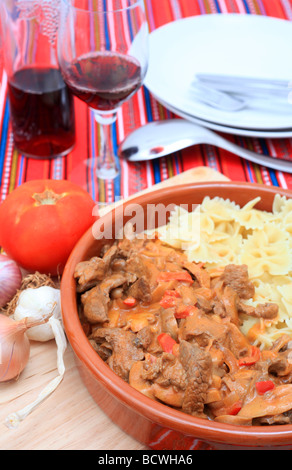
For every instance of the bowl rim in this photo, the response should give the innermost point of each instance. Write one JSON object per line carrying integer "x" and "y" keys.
{"x": 159, "y": 413}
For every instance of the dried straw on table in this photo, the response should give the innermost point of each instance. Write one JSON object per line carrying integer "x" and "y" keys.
{"x": 32, "y": 281}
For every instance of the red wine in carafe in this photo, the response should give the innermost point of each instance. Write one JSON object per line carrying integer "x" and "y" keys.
{"x": 42, "y": 112}
{"x": 103, "y": 79}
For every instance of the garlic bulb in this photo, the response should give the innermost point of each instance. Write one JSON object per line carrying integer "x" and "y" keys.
{"x": 37, "y": 303}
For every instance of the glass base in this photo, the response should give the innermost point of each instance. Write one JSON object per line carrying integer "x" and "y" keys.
{"x": 48, "y": 157}
{"x": 104, "y": 173}
{"x": 107, "y": 173}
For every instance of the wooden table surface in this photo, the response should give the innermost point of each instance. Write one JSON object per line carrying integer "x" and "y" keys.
{"x": 69, "y": 419}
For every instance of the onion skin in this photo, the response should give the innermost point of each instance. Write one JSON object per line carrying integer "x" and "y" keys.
{"x": 14, "y": 348}
{"x": 10, "y": 279}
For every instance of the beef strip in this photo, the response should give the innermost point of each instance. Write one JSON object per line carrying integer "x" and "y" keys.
{"x": 95, "y": 305}
{"x": 188, "y": 294}
{"x": 116, "y": 280}
{"x": 267, "y": 311}
{"x": 126, "y": 349}
{"x": 95, "y": 301}
{"x": 199, "y": 273}
{"x": 103, "y": 350}
{"x": 202, "y": 329}
{"x": 144, "y": 336}
{"x": 140, "y": 290}
{"x": 146, "y": 274}
{"x": 88, "y": 273}
{"x": 129, "y": 248}
{"x": 237, "y": 278}
{"x": 169, "y": 372}
{"x": 110, "y": 255}
{"x": 198, "y": 366}
{"x": 168, "y": 322}
{"x": 204, "y": 304}
{"x": 283, "y": 418}
{"x": 142, "y": 268}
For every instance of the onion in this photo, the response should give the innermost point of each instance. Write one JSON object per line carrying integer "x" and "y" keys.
{"x": 10, "y": 279}
{"x": 15, "y": 345}
{"x": 35, "y": 303}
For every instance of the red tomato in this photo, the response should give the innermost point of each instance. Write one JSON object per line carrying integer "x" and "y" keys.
{"x": 41, "y": 221}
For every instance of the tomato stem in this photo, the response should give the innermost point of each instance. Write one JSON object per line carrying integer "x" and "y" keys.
{"x": 48, "y": 197}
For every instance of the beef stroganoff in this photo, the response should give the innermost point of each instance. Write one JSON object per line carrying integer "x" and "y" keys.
{"x": 201, "y": 324}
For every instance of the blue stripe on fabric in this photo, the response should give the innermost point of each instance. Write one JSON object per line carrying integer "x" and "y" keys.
{"x": 130, "y": 25}
{"x": 4, "y": 136}
{"x": 264, "y": 147}
{"x": 249, "y": 171}
{"x": 217, "y": 6}
{"x": 106, "y": 30}
{"x": 148, "y": 104}
{"x": 246, "y": 6}
{"x": 155, "y": 163}
{"x": 22, "y": 159}
{"x": 92, "y": 170}
{"x": 273, "y": 177}
{"x": 156, "y": 169}
{"x": 117, "y": 180}
{"x": 272, "y": 172}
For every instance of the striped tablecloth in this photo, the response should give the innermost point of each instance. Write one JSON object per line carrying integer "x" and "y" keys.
{"x": 16, "y": 169}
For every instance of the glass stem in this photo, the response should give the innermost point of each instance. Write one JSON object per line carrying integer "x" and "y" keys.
{"x": 106, "y": 162}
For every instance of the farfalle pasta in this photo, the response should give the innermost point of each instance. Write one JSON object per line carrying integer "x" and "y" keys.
{"x": 267, "y": 251}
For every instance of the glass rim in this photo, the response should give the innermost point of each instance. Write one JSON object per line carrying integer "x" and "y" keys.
{"x": 102, "y": 10}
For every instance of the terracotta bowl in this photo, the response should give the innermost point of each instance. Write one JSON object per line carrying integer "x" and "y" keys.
{"x": 154, "y": 424}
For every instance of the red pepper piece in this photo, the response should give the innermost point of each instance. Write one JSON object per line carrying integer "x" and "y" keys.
{"x": 185, "y": 312}
{"x": 183, "y": 276}
{"x": 250, "y": 360}
{"x": 235, "y": 408}
{"x": 166, "y": 342}
{"x": 264, "y": 386}
{"x": 172, "y": 293}
{"x": 167, "y": 301}
{"x": 130, "y": 301}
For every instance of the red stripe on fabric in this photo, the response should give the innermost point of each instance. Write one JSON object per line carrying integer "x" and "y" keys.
{"x": 162, "y": 12}
{"x": 192, "y": 157}
{"x": 274, "y": 8}
{"x": 75, "y": 170}
{"x": 190, "y": 9}
{"x": 232, "y": 166}
{"x": 288, "y": 179}
{"x": 36, "y": 169}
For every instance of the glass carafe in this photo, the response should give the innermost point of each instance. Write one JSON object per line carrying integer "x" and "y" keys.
{"x": 41, "y": 105}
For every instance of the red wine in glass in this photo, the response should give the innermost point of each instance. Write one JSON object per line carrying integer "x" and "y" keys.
{"x": 42, "y": 112}
{"x": 103, "y": 79}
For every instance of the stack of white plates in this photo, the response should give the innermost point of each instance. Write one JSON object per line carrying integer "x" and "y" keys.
{"x": 226, "y": 44}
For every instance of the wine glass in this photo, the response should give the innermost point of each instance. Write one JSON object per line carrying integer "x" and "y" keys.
{"x": 103, "y": 57}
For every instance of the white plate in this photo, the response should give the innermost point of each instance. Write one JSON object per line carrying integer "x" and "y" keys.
{"x": 276, "y": 134}
{"x": 245, "y": 45}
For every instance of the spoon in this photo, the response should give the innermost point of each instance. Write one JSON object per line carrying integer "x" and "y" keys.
{"x": 159, "y": 138}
